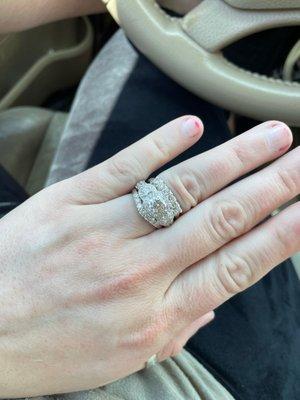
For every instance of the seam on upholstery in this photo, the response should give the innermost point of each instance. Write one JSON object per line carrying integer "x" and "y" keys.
{"x": 187, "y": 376}
{"x": 47, "y": 126}
{"x": 216, "y": 375}
{"x": 5, "y": 38}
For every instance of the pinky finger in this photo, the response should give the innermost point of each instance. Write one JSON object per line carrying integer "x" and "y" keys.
{"x": 236, "y": 266}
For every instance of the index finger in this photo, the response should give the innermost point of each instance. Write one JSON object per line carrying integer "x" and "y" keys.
{"x": 119, "y": 174}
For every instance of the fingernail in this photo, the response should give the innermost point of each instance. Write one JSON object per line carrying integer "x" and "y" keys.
{"x": 210, "y": 317}
{"x": 191, "y": 127}
{"x": 279, "y": 138}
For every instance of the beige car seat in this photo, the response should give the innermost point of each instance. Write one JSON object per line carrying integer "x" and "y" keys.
{"x": 29, "y": 138}
{"x": 34, "y": 64}
{"x": 38, "y": 62}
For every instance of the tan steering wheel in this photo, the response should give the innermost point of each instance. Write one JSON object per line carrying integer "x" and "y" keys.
{"x": 189, "y": 50}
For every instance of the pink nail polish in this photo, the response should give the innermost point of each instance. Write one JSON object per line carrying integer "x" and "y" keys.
{"x": 279, "y": 138}
{"x": 191, "y": 127}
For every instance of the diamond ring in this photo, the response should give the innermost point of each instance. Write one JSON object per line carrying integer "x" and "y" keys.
{"x": 156, "y": 202}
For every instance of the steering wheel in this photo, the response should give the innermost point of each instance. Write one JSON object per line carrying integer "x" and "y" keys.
{"x": 189, "y": 50}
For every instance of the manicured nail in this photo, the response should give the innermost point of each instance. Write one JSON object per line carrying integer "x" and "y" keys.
{"x": 279, "y": 138}
{"x": 191, "y": 127}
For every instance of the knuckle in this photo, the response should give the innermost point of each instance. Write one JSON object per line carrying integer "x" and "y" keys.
{"x": 288, "y": 181}
{"x": 124, "y": 170}
{"x": 159, "y": 149}
{"x": 284, "y": 242}
{"x": 241, "y": 156}
{"x": 155, "y": 266}
{"x": 188, "y": 189}
{"x": 85, "y": 183}
{"x": 149, "y": 265}
{"x": 121, "y": 285}
{"x": 124, "y": 284}
{"x": 228, "y": 220}
{"x": 234, "y": 273}
{"x": 149, "y": 334}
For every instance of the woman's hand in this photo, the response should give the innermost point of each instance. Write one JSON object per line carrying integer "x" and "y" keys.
{"x": 89, "y": 290}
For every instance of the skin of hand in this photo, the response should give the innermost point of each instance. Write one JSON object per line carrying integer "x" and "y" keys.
{"x": 90, "y": 291}
{"x": 18, "y": 15}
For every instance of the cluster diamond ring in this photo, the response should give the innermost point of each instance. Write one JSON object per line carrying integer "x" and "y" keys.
{"x": 156, "y": 202}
